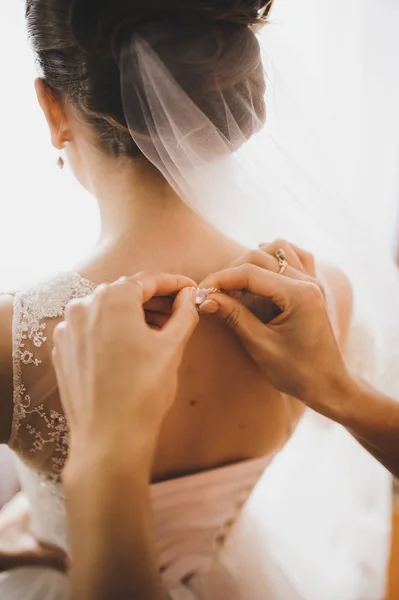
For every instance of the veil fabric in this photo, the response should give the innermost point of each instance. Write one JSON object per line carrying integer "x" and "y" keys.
{"x": 257, "y": 190}
{"x": 323, "y": 534}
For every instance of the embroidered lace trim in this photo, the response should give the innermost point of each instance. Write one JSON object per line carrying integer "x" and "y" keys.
{"x": 32, "y": 307}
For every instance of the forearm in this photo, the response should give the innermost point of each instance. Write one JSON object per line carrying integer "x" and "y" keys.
{"x": 111, "y": 531}
{"x": 370, "y": 416}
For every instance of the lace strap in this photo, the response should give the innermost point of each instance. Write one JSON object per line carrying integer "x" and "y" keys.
{"x": 32, "y": 308}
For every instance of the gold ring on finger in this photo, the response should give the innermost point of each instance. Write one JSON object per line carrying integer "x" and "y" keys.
{"x": 282, "y": 261}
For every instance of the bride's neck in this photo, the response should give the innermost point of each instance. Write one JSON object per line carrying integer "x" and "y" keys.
{"x": 138, "y": 202}
{"x": 144, "y": 222}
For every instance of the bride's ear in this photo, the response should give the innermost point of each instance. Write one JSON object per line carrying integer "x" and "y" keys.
{"x": 54, "y": 111}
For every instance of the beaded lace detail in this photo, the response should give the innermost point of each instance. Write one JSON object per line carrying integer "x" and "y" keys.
{"x": 34, "y": 309}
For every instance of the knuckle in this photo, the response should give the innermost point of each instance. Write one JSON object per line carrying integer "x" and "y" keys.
{"x": 313, "y": 292}
{"x": 311, "y": 262}
{"x": 142, "y": 275}
{"x": 249, "y": 269}
{"x": 107, "y": 300}
{"x": 280, "y": 243}
{"x": 75, "y": 312}
{"x": 317, "y": 283}
{"x": 135, "y": 285}
{"x": 104, "y": 295}
{"x": 309, "y": 256}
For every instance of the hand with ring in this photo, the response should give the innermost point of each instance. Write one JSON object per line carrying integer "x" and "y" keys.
{"x": 298, "y": 338}
{"x": 281, "y": 258}
{"x": 297, "y": 350}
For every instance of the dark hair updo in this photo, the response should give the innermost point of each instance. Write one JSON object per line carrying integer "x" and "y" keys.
{"x": 207, "y": 45}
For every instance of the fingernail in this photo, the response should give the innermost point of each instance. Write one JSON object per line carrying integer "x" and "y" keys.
{"x": 263, "y": 245}
{"x": 209, "y": 307}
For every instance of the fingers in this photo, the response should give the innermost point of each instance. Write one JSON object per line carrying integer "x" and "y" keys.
{"x": 145, "y": 293}
{"x": 291, "y": 256}
{"x": 256, "y": 280}
{"x": 307, "y": 259}
{"x": 237, "y": 317}
{"x": 76, "y": 310}
{"x": 263, "y": 260}
{"x": 146, "y": 285}
{"x": 268, "y": 261}
{"x": 184, "y": 319}
{"x": 297, "y": 257}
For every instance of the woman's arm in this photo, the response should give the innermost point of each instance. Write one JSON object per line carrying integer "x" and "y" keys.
{"x": 6, "y": 379}
{"x": 111, "y": 528}
{"x": 370, "y": 416}
{"x": 118, "y": 379}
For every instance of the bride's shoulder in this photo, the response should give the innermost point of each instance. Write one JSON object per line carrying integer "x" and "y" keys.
{"x": 6, "y": 379}
{"x": 339, "y": 294}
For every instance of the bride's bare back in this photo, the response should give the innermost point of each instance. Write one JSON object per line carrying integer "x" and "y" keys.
{"x": 224, "y": 412}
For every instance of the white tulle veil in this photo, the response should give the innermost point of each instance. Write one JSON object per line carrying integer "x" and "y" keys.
{"x": 254, "y": 190}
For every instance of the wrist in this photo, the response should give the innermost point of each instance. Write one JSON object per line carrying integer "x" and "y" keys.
{"x": 335, "y": 396}
{"x": 104, "y": 467}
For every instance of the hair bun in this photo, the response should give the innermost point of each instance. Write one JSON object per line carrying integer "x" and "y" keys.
{"x": 98, "y": 24}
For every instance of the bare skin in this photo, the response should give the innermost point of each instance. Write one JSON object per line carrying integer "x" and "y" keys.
{"x": 225, "y": 410}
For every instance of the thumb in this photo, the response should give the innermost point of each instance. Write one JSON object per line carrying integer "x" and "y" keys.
{"x": 235, "y": 315}
{"x": 184, "y": 319}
